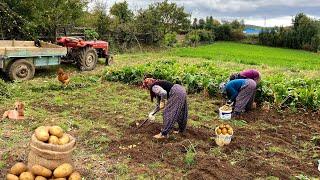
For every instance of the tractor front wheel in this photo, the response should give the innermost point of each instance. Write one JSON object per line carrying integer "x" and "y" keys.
{"x": 21, "y": 69}
{"x": 88, "y": 59}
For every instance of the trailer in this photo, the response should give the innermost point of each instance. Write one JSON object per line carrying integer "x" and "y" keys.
{"x": 19, "y": 59}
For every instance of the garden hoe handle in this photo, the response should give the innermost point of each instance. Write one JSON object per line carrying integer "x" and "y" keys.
{"x": 142, "y": 123}
{"x": 145, "y": 121}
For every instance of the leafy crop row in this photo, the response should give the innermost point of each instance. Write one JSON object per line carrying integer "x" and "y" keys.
{"x": 275, "y": 89}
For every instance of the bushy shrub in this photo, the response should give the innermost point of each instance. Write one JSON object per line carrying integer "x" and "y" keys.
{"x": 170, "y": 39}
{"x": 91, "y": 34}
{"x": 192, "y": 38}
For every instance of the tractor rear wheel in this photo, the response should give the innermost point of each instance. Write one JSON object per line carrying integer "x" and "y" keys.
{"x": 88, "y": 59}
{"x": 21, "y": 69}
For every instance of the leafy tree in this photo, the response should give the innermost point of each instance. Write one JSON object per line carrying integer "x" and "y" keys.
{"x": 122, "y": 12}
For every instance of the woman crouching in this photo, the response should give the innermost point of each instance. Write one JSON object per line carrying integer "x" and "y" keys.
{"x": 173, "y": 99}
{"x": 241, "y": 93}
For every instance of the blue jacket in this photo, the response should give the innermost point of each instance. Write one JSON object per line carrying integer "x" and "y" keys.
{"x": 233, "y": 88}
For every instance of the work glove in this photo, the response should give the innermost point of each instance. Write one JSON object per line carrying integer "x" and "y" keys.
{"x": 151, "y": 117}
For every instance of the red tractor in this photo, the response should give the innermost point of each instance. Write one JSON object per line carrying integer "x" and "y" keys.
{"x": 84, "y": 53}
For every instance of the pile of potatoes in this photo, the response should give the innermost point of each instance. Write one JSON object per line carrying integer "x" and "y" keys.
{"x": 52, "y": 135}
{"x": 63, "y": 172}
{"x": 224, "y": 129}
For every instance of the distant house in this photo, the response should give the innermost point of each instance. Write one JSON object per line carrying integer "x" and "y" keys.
{"x": 251, "y": 31}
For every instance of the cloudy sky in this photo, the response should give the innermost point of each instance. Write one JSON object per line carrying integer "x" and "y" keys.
{"x": 275, "y": 12}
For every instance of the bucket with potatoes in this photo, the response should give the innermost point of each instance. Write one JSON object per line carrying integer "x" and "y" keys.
{"x": 224, "y": 133}
{"x": 50, "y": 157}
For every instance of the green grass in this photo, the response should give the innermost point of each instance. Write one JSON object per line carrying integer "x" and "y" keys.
{"x": 97, "y": 113}
{"x": 252, "y": 55}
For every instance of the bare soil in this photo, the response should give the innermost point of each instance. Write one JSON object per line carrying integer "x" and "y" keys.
{"x": 271, "y": 145}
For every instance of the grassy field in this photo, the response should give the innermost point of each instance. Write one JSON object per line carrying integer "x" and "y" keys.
{"x": 253, "y": 55}
{"x": 102, "y": 115}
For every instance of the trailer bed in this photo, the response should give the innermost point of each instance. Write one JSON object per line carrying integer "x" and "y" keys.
{"x": 15, "y": 49}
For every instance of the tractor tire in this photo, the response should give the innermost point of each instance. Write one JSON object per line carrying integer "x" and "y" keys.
{"x": 87, "y": 59}
{"x": 21, "y": 70}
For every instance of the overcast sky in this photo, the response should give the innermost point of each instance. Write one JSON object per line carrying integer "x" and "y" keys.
{"x": 276, "y": 12}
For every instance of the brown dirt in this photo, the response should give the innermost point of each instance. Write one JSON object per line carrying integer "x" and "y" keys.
{"x": 274, "y": 149}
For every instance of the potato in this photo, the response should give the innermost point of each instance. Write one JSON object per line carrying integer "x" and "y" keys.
{"x": 40, "y": 178}
{"x": 63, "y": 170}
{"x": 53, "y": 140}
{"x": 228, "y": 126}
{"x": 64, "y": 139}
{"x": 224, "y": 131}
{"x": 18, "y": 168}
{"x": 221, "y": 126}
{"x": 26, "y": 176}
{"x": 41, "y": 171}
{"x": 230, "y": 131}
{"x": 42, "y": 133}
{"x": 60, "y": 179}
{"x": 218, "y": 131}
{"x": 75, "y": 176}
{"x": 56, "y": 131}
{"x": 12, "y": 177}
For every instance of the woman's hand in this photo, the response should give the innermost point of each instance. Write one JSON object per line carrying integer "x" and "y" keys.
{"x": 162, "y": 105}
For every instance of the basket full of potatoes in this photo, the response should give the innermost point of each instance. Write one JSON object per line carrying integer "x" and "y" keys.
{"x": 224, "y": 133}
{"x": 63, "y": 172}
{"x": 50, "y": 147}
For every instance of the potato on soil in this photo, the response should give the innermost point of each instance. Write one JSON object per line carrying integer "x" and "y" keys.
{"x": 41, "y": 171}
{"x": 63, "y": 170}
{"x": 75, "y": 176}
{"x": 18, "y": 168}
{"x": 56, "y": 131}
{"x": 53, "y": 140}
{"x": 12, "y": 177}
{"x": 26, "y": 176}
{"x": 64, "y": 139}
{"x": 224, "y": 131}
{"x": 40, "y": 178}
{"x": 42, "y": 133}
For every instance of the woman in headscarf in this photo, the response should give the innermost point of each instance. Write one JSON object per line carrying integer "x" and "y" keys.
{"x": 173, "y": 99}
{"x": 241, "y": 93}
{"x": 247, "y": 74}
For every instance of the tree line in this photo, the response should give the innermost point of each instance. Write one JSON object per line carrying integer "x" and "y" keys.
{"x": 304, "y": 34}
{"x": 158, "y": 24}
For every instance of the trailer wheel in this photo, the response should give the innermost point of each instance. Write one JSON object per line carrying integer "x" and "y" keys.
{"x": 21, "y": 70}
{"x": 88, "y": 59}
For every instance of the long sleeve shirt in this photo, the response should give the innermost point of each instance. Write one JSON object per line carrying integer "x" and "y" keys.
{"x": 233, "y": 88}
{"x": 162, "y": 95}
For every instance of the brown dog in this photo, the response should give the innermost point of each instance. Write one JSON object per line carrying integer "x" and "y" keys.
{"x": 17, "y": 113}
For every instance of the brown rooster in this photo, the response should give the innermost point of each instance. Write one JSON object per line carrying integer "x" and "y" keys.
{"x": 63, "y": 77}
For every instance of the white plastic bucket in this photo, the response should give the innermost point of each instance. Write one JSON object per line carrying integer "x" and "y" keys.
{"x": 224, "y": 115}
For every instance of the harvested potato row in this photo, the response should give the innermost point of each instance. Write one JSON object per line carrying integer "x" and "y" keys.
{"x": 224, "y": 129}
{"x": 37, "y": 172}
{"x": 52, "y": 135}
